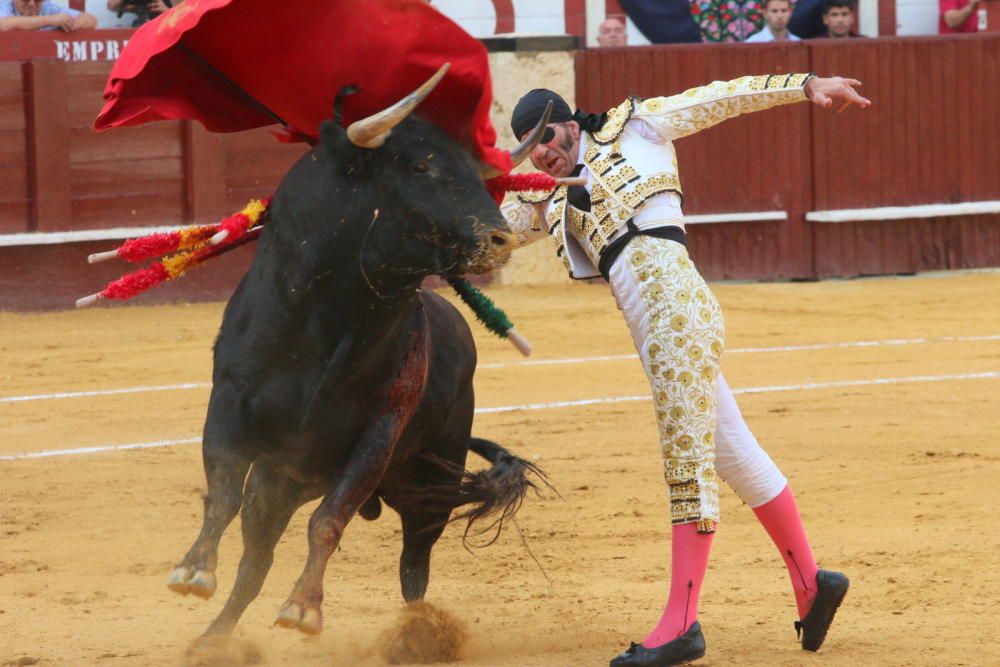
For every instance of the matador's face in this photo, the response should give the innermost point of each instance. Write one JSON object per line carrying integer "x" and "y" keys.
{"x": 557, "y": 156}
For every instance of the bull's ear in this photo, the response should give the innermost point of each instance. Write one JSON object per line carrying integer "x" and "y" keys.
{"x": 333, "y": 139}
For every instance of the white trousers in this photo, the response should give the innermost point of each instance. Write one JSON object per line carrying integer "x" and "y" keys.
{"x": 739, "y": 459}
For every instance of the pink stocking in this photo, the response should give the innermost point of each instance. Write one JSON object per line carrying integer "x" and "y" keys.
{"x": 780, "y": 517}
{"x": 689, "y": 560}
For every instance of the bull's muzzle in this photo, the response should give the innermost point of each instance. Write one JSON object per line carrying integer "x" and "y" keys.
{"x": 493, "y": 250}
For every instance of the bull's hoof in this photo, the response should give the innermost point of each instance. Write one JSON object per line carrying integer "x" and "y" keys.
{"x": 308, "y": 621}
{"x": 200, "y": 583}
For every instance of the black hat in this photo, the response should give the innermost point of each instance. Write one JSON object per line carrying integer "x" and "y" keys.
{"x": 529, "y": 110}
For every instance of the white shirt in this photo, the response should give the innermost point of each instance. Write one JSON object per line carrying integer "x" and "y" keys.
{"x": 766, "y": 35}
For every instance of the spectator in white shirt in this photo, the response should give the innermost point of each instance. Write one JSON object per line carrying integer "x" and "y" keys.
{"x": 42, "y": 15}
{"x": 776, "y": 16}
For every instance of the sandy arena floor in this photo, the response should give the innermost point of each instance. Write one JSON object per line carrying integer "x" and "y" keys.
{"x": 896, "y": 481}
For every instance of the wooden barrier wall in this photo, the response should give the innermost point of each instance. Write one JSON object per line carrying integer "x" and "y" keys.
{"x": 932, "y": 137}
{"x": 56, "y": 173}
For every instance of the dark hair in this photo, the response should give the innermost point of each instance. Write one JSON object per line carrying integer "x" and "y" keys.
{"x": 837, "y": 4}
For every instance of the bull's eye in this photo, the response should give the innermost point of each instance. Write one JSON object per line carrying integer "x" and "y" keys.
{"x": 421, "y": 167}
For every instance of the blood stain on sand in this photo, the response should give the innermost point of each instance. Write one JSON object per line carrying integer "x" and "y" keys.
{"x": 423, "y": 634}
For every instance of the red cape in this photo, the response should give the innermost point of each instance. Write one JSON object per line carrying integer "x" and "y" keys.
{"x": 210, "y": 60}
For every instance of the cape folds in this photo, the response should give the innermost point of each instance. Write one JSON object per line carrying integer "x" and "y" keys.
{"x": 239, "y": 65}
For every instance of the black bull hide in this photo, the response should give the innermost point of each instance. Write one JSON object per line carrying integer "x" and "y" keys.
{"x": 337, "y": 377}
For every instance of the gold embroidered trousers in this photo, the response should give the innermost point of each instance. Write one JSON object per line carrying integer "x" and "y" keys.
{"x": 678, "y": 330}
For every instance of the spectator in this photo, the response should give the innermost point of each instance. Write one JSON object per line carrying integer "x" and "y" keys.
{"x": 42, "y": 15}
{"x": 958, "y": 16}
{"x": 838, "y": 17}
{"x": 776, "y": 15}
{"x": 144, "y": 10}
{"x": 611, "y": 32}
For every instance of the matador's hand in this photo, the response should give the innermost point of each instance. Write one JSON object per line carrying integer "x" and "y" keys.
{"x": 823, "y": 92}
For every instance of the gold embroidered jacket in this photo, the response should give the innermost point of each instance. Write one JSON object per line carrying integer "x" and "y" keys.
{"x": 627, "y": 168}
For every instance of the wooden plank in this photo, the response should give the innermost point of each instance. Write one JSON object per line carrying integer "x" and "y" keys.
{"x": 125, "y": 177}
{"x": 265, "y": 164}
{"x": 980, "y": 241}
{"x": 204, "y": 174}
{"x": 12, "y": 148}
{"x": 156, "y": 140}
{"x": 910, "y": 113}
{"x": 10, "y": 78}
{"x": 929, "y": 169}
{"x": 944, "y": 116}
{"x": 14, "y": 216}
{"x": 898, "y": 126}
{"x": 84, "y": 92}
{"x": 258, "y": 140}
{"x": 987, "y": 122}
{"x": 641, "y": 73}
{"x": 53, "y": 277}
{"x": 13, "y": 184}
{"x": 579, "y": 70}
{"x": 162, "y": 207}
{"x": 596, "y": 100}
{"x": 962, "y": 132}
{"x": 896, "y": 258}
{"x": 15, "y": 209}
{"x": 12, "y": 113}
{"x": 870, "y": 242}
{"x": 48, "y": 144}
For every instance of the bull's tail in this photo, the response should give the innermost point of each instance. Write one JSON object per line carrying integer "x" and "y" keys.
{"x": 490, "y": 496}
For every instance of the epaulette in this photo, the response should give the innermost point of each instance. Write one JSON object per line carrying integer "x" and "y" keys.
{"x": 535, "y": 196}
{"x": 617, "y": 118}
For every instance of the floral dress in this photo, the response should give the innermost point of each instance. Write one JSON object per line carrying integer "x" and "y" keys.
{"x": 727, "y": 20}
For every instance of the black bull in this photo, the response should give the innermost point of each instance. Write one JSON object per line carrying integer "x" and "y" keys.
{"x": 337, "y": 377}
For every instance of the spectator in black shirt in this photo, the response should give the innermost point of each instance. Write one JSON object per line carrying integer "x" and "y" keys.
{"x": 144, "y": 10}
{"x": 838, "y": 17}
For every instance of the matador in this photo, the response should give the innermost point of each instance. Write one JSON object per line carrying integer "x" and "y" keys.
{"x": 626, "y": 224}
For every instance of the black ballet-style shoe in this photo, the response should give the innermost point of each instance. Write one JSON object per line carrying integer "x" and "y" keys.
{"x": 689, "y": 646}
{"x": 831, "y": 587}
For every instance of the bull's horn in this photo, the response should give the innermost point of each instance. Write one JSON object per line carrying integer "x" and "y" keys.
{"x": 372, "y": 132}
{"x": 524, "y": 149}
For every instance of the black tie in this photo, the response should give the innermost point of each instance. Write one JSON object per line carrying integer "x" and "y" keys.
{"x": 578, "y": 195}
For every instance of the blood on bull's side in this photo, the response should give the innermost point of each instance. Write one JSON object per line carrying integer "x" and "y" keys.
{"x": 336, "y": 376}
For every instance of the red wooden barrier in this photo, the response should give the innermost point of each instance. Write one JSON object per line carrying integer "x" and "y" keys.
{"x": 932, "y": 137}
{"x": 759, "y": 162}
{"x": 58, "y": 175}
{"x": 14, "y": 200}
{"x": 158, "y": 174}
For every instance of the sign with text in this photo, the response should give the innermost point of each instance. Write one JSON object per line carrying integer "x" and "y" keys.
{"x": 81, "y": 46}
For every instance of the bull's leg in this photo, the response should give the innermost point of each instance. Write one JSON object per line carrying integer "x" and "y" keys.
{"x": 225, "y": 472}
{"x": 270, "y": 500}
{"x": 420, "y": 532}
{"x": 360, "y": 478}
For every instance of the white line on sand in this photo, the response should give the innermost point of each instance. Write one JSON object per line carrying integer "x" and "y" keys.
{"x": 546, "y": 406}
{"x": 535, "y": 362}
